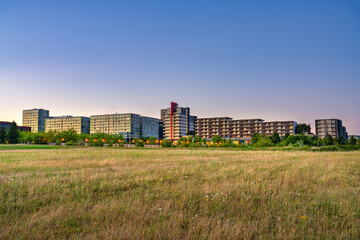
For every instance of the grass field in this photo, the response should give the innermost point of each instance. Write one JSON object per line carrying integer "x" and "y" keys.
{"x": 97, "y": 193}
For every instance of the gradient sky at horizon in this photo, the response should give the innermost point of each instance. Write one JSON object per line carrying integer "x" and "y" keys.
{"x": 275, "y": 60}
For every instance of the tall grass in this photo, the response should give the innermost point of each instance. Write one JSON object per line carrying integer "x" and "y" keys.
{"x": 179, "y": 194}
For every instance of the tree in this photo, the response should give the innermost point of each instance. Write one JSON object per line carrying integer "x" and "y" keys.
{"x": 3, "y": 135}
{"x": 13, "y": 133}
{"x": 216, "y": 139}
{"x": 167, "y": 143}
{"x": 340, "y": 140}
{"x": 256, "y": 137}
{"x": 328, "y": 140}
{"x": 352, "y": 141}
{"x": 302, "y": 128}
{"x": 275, "y": 138}
{"x": 190, "y": 133}
{"x": 286, "y": 136}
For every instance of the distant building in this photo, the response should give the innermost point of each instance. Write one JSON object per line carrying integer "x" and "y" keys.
{"x": 80, "y": 124}
{"x": 209, "y": 127}
{"x": 21, "y": 128}
{"x": 333, "y": 127}
{"x": 149, "y": 127}
{"x": 35, "y": 118}
{"x": 129, "y": 125}
{"x": 177, "y": 121}
{"x": 281, "y": 127}
{"x": 354, "y": 136}
{"x": 241, "y": 129}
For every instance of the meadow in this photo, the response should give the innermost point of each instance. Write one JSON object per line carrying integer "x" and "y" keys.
{"x": 117, "y": 193}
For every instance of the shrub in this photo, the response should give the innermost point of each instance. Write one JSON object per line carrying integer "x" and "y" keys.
{"x": 166, "y": 143}
{"x": 70, "y": 143}
{"x": 293, "y": 139}
{"x": 194, "y": 145}
{"x": 264, "y": 143}
{"x": 58, "y": 142}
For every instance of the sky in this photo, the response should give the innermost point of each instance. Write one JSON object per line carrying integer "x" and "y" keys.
{"x": 274, "y": 60}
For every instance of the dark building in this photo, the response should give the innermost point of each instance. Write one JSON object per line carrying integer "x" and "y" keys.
{"x": 21, "y": 128}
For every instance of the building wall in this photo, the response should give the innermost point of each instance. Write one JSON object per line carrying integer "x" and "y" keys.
{"x": 80, "y": 124}
{"x": 241, "y": 129}
{"x": 177, "y": 121}
{"x": 21, "y": 128}
{"x": 333, "y": 127}
{"x": 128, "y": 124}
{"x": 35, "y": 118}
{"x": 149, "y": 127}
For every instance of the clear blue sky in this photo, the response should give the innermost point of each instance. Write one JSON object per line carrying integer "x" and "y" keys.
{"x": 275, "y": 60}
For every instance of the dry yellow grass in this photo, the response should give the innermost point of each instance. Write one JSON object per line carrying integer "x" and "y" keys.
{"x": 98, "y": 193}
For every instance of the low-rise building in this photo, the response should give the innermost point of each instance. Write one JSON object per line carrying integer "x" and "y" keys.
{"x": 21, "y": 128}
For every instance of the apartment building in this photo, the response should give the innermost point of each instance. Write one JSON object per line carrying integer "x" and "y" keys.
{"x": 281, "y": 127}
{"x": 129, "y": 125}
{"x": 35, "y": 118}
{"x": 333, "y": 127}
{"x": 21, "y": 128}
{"x": 209, "y": 127}
{"x": 177, "y": 121}
{"x": 241, "y": 129}
{"x": 245, "y": 128}
{"x": 80, "y": 124}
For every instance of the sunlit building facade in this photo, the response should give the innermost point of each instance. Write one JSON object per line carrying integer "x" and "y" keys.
{"x": 35, "y": 118}
{"x": 129, "y": 125}
{"x": 177, "y": 121}
{"x": 80, "y": 124}
{"x": 241, "y": 129}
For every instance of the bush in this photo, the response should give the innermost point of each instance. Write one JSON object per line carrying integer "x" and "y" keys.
{"x": 295, "y": 139}
{"x": 139, "y": 144}
{"x": 264, "y": 143}
{"x": 166, "y": 143}
{"x": 194, "y": 145}
{"x": 58, "y": 142}
{"x": 71, "y": 143}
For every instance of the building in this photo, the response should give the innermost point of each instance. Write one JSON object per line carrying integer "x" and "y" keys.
{"x": 177, "y": 121}
{"x": 129, "y": 125}
{"x": 354, "y": 136}
{"x": 80, "y": 124}
{"x": 245, "y": 128}
{"x": 209, "y": 127}
{"x": 35, "y": 118}
{"x": 161, "y": 129}
{"x": 21, "y": 128}
{"x": 333, "y": 127}
{"x": 149, "y": 127}
{"x": 241, "y": 129}
{"x": 281, "y": 127}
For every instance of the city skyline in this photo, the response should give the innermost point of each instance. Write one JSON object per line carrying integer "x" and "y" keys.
{"x": 274, "y": 61}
